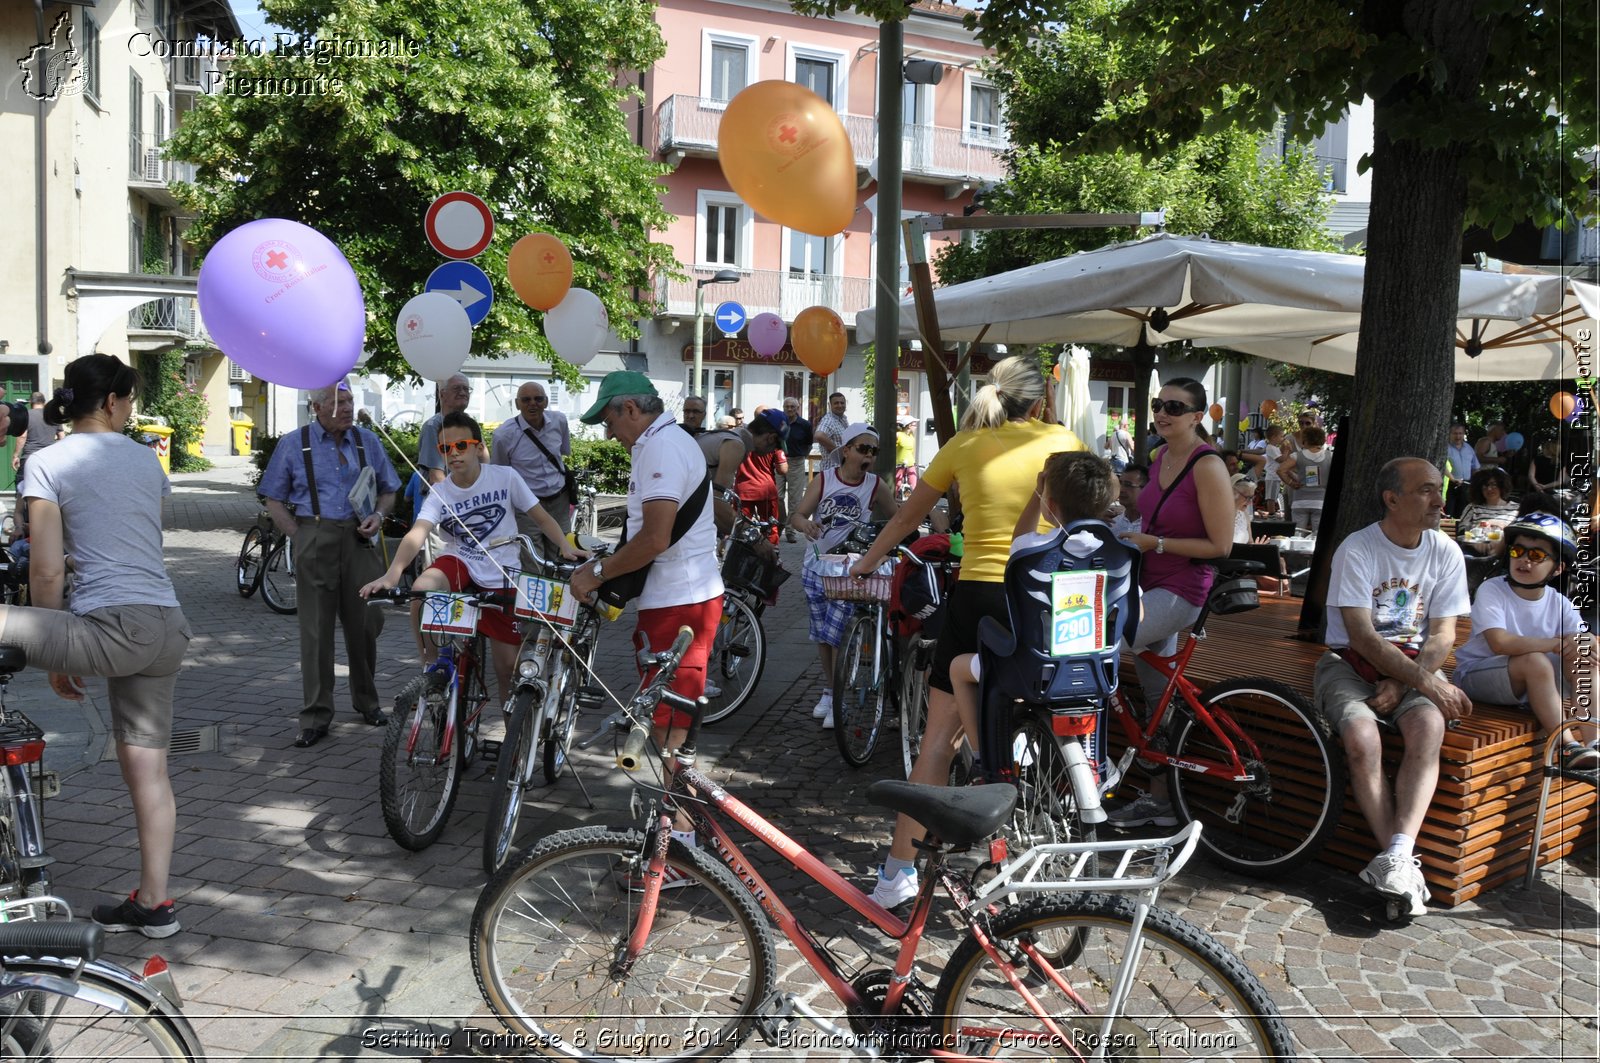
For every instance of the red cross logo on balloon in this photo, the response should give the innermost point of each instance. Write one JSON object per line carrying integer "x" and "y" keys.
{"x": 274, "y": 260}
{"x": 413, "y": 323}
{"x": 786, "y": 135}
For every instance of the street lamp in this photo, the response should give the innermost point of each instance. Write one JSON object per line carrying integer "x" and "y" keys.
{"x": 721, "y": 276}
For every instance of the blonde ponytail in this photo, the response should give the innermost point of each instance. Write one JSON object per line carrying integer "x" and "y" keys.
{"x": 1015, "y": 384}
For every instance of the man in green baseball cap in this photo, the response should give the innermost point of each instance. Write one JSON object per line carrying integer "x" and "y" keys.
{"x": 615, "y": 386}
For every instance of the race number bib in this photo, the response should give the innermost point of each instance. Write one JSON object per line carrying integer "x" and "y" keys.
{"x": 1077, "y": 613}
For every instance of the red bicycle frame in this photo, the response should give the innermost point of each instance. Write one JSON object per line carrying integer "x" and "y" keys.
{"x": 1220, "y": 724}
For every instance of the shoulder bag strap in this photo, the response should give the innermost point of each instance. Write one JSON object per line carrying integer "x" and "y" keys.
{"x": 311, "y": 476}
{"x": 688, "y": 513}
{"x": 562, "y": 469}
{"x": 1173, "y": 486}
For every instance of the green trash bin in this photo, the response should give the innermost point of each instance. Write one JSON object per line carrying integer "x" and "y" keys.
{"x": 241, "y": 435}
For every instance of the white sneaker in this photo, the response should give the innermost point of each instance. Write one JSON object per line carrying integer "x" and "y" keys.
{"x": 827, "y": 721}
{"x": 824, "y": 707}
{"x": 712, "y": 690}
{"x": 1397, "y": 878}
{"x": 1146, "y": 811}
{"x": 893, "y": 892}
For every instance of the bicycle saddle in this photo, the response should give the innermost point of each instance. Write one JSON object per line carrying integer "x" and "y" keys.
{"x": 959, "y": 815}
{"x": 13, "y": 659}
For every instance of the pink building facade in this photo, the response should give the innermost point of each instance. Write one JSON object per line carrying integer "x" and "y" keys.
{"x": 951, "y": 141}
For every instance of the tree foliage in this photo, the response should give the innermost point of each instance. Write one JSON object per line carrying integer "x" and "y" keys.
{"x": 526, "y": 104}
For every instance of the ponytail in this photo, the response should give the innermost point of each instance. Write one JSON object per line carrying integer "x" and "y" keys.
{"x": 86, "y": 384}
{"x": 1015, "y": 384}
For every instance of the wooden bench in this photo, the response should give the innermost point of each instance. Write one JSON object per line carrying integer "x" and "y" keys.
{"x": 1480, "y": 824}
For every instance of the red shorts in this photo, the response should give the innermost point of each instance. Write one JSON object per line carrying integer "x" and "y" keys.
{"x": 497, "y": 624}
{"x": 661, "y": 626}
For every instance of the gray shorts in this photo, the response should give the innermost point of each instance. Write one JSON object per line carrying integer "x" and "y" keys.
{"x": 1341, "y": 696}
{"x": 137, "y": 648}
{"x": 1490, "y": 681}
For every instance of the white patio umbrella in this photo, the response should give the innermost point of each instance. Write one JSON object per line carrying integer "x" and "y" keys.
{"x": 1078, "y": 412}
{"x": 1170, "y": 288}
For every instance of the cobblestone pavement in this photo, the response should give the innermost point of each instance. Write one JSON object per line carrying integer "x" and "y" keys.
{"x": 308, "y": 934}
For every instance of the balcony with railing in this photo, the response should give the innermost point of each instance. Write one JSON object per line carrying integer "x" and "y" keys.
{"x": 151, "y": 173}
{"x": 687, "y": 125}
{"x": 167, "y": 322}
{"x": 192, "y": 74}
{"x": 770, "y": 291}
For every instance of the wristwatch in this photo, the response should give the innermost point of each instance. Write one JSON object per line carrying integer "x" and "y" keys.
{"x": 596, "y": 572}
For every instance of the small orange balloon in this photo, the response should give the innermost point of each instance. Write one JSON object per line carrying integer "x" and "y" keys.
{"x": 1269, "y": 408}
{"x": 540, "y": 270}
{"x": 1056, "y": 372}
{"x": 1216, "y": 411}
{"x": 786, "y": 153}
{"x": 1562, "y": 403}
{"x": 818, "y": 339}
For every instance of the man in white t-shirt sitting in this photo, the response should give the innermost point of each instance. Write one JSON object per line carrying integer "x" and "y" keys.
{"x": 1394, "y": 594}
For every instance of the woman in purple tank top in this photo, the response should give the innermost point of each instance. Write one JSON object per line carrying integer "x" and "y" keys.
{"x": 1188, "y": 513}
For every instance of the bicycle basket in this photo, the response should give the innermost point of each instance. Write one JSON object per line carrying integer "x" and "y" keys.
{"x": 838, "y": 585}
{"x": 746, "y": 570}
{"x": 1234, "y": 596}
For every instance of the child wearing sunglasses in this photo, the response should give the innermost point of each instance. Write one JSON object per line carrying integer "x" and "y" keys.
{"x": 1528, "y": 641}
{"x": 473, "y": 505}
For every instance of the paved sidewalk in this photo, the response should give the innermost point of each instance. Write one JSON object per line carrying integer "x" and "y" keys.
{"x": 308, "y": 934}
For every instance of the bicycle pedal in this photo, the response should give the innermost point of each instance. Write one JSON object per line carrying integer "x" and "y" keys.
{"x": 775, "y": 1015}
{"x": 739, "y": 649}
{"x": 490, "y": 748}
{"x": 47, "y": 784}
{"x": 590, "y": 698}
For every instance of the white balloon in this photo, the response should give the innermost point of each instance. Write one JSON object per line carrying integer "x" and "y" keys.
{"x": 434, "y": 334}
{"x": 577, "y": 326}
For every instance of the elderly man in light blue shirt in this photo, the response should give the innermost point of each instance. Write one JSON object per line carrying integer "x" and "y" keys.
{"x": 1461, "y": 461}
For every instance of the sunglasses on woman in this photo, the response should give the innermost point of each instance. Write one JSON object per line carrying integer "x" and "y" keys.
{"x": 1532, "y": 553}
{"x": 863, "y": 448}
{"x": 1172, "y": 407}
{"x": 460, "y": 446}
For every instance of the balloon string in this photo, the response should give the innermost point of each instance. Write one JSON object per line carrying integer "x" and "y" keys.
{"x": 505, "y": 574}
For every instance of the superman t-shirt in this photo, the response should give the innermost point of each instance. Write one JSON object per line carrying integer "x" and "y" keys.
{"x": 469, "y": 518}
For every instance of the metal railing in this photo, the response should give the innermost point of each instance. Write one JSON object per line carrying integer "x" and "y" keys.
{"x": 690, "y": 123}
{"x": 771, "y": 291}
{"x": 148, "y": 162}
{"x": 175, "y": 313}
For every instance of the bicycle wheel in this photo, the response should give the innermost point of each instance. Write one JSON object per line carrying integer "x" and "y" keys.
{"x": 572, "y": 674}
{"x": 738, "y": 655}
{"x": 512, "y": 770}
{"x": 861, "y": 684}
{"x": 1047, "y": 808}
{"x": 277, "y": 578}
{"x": 1190, "y": 999}
{"x": 420, "y": 774}
{"x": 249, "y": 569}
{"x": 913, "y": 700}
{"x": 85, "y": 1031}
{"x": 546, "y": 935}
{"x": 1285, "y": 814}
{"x": 583, "y": 516}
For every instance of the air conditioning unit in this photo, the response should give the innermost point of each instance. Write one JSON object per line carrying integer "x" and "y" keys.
{"x": 236, "y": 373}
{"x": 154, "y": 165}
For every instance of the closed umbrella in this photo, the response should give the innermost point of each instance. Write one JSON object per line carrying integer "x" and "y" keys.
{"x": 1078, "y": 413}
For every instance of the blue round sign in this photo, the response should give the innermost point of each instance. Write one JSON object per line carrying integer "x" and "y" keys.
{"x": 729, "y": 317}
{"x": 467, "y": 285}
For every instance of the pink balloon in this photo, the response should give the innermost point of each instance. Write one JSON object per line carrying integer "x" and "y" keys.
{"x": 768, "y": 334}
{"x": 281, "y": 301}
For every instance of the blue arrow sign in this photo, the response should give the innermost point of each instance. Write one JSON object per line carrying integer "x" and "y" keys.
{"x": 730, "y": 318}
{"x": 467, "y": 285}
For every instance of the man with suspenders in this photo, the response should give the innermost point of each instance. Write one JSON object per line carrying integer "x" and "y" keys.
{"x": 313, "y": 471}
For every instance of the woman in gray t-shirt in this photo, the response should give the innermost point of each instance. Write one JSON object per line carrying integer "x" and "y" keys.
{"x": 96, "y": 496}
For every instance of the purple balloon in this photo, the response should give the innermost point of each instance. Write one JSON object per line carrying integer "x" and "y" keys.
{"x": 768, "y": 334}
{"x": 282, "y": 302}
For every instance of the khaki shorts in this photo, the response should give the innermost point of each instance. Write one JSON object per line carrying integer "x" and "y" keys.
{"x": 1341, "y": 696}
{"x": 137, "y": 648}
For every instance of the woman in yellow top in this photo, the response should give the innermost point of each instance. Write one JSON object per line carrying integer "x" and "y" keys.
{"x": 995, "y": 458}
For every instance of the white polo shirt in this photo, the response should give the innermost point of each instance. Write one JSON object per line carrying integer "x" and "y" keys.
{"x": 667, "y": 464}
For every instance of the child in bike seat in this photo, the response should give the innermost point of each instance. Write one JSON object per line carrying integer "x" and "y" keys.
{"x": 473, "y": 505}
{"x": 1073, "y": 486}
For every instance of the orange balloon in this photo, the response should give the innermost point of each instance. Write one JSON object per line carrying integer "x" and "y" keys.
{"x": 818, "y": 339}
{"x": 1056, "y": 372}
{"x": 1562, "y": 403}
{"x": 1216, "y": 411}
{"x": 785, "y": 151}
{"x": 1269, "y": 408}
{"x": 540, "y": 270}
